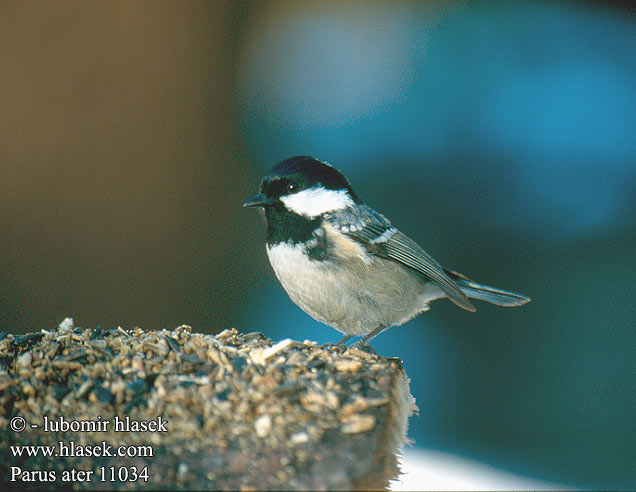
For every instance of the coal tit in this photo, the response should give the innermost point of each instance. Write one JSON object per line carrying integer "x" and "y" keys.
{"x": 343, "y": 263}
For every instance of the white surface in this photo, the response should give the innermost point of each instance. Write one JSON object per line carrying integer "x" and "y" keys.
{"x": 434, "y": 470}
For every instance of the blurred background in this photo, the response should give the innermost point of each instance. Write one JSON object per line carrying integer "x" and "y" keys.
{"x": 499, "y": 135}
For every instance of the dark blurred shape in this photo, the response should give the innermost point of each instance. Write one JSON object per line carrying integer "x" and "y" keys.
{"x": 118, "y": 164}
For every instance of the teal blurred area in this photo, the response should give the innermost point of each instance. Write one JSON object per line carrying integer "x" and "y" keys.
{"x": 501, "y": 136}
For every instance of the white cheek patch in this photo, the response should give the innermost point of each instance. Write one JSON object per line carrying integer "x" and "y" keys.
{"x": 316, "y": 201}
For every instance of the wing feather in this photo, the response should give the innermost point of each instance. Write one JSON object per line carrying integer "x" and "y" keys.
{"x": 380, "y": 238}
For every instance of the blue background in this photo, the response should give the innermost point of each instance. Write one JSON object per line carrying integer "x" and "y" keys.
{"x": 503, "y": 139}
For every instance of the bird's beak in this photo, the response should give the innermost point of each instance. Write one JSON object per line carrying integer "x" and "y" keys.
{"x": 259, "y": 200}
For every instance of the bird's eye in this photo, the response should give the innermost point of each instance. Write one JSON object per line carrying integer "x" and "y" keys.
{"x": 292, "y": 188}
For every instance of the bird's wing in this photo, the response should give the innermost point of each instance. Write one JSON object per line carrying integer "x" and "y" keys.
{"x": 380, "y": 238}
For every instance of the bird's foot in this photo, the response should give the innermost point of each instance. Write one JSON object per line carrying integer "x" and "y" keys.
{"x": 334, "y": 347}
{"x": 340, "y": 346}
{"x": 365, "y": 347}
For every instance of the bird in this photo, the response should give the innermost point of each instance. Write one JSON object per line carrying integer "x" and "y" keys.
{"x": 345, "y": 264}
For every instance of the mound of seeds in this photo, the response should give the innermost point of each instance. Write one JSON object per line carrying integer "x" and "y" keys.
{"x": 180, "y": 410}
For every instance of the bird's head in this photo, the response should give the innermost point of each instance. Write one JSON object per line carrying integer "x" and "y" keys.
{"x": 304, "y": 186}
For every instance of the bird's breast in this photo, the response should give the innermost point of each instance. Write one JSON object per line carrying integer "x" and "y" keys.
{"x": 350, "y": 291}
{"x": 297, "y": 270}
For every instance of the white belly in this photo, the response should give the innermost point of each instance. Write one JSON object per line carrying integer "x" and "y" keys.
{"x": 356, "y": 298}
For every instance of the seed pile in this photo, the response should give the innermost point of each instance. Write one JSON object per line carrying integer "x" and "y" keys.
{"x": 239, "y": 411}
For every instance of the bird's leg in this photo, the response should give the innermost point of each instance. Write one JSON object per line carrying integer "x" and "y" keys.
{"x": 344, "y": 340}
{"x": 340, "y": 345}
{"x": 369, "y": 336}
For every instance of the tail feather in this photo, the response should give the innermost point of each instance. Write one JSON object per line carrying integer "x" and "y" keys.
{"x": 489, "y": 294}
